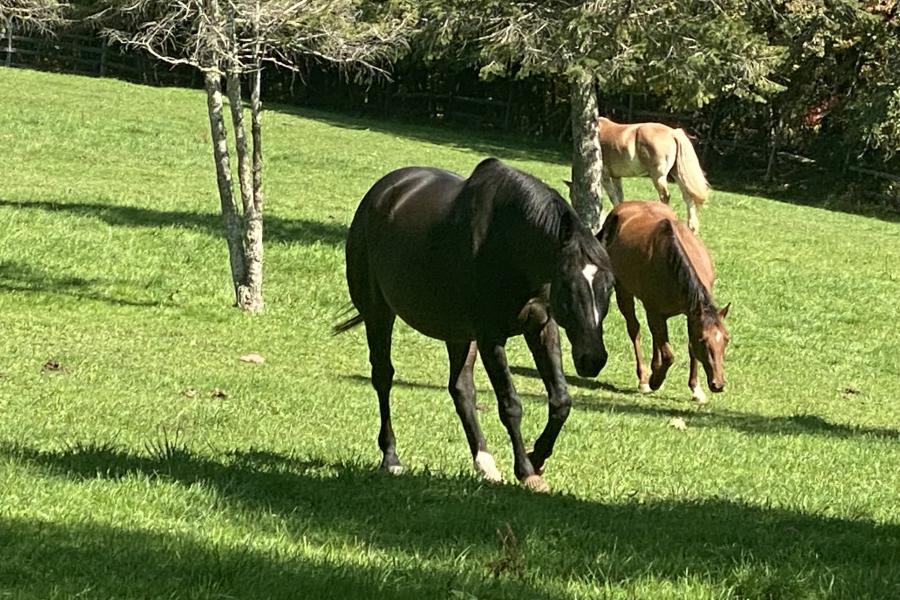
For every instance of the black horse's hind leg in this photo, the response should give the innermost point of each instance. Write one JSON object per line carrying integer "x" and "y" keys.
{"x": 378, "y": 334}
{"x": 462, "y": 390}
{"x": 544, "y": 346}
{"x": 493, "y": 355}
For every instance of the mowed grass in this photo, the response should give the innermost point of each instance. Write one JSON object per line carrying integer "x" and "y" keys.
{"x": 153, "y": 463}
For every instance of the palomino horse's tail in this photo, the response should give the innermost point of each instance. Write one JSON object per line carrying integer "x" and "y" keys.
{"x": 687, "y": 169}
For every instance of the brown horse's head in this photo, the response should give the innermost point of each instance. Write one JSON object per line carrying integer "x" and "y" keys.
{"x": 708, "y": 339}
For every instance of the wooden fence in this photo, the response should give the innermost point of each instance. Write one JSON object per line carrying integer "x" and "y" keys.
{"x": 84, "y": 54}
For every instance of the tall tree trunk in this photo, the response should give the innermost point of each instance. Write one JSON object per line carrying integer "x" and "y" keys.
{"x": 223, "y": 178}
{"x": 253, "y": 210}
{"x": 587, "y": 164}
{"x": 253, "y": 215}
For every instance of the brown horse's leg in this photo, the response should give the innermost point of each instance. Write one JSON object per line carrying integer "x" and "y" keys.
{"x": 493, "y": 356}
{"x": 462, "y": 390}
{"x": 378, "y": 333}
{"x": 697, "y": 393}
{"x": 544, "y": 346}
{"x": 663, "y": 357}
{"x": 626, "y": 307}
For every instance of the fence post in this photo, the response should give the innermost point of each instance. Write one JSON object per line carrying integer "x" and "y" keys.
{"x": 9, "y": 46}
{"x": 773, "y": 145}
{"x": 104, "y": 50}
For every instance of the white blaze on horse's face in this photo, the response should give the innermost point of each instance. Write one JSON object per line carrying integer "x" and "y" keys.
{"x": 589, "y": 271}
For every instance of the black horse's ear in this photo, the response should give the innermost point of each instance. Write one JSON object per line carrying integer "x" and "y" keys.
{"x": 608, "y": 231}
{"x": 566, "y": 225}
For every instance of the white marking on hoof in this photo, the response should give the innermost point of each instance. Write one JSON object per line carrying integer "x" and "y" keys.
{"x": 698, "y": 395}
{"x": 395, "y": 469}
{"x": 644, "y": 388}
{"x": 536, "y": 484}
{"x": 484, "y": 464}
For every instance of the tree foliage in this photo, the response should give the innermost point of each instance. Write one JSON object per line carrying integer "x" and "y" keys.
{"x": 39, "y": 15}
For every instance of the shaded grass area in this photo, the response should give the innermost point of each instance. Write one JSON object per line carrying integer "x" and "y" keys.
{"x": 139, "y": 458}
{"x": 765, "y": 552}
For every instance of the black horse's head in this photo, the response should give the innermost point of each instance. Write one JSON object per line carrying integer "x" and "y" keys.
{"x": 579, "y": 296}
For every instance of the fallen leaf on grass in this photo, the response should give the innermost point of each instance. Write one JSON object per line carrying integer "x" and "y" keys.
{"x": 189, "y": 393}
{"x": 52, "y": 365}
{"x": 849, "y": 391}
{"x": 253, "y": 357}
{"x": 217, "y": 393}
{"x": 678, "y": 423}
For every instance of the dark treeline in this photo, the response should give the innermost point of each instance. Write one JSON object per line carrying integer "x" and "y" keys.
{"x": 768, "y": 85}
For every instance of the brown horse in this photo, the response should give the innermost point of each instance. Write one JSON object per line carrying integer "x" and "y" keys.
{"x": 659, "y": 261}
{"x": 652, "y": 149}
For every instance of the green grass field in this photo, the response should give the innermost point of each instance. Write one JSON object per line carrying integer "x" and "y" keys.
{"x": 152, "y": 463}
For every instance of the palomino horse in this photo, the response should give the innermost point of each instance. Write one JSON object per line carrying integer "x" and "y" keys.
{"x": 659, "y": 261}
{"x": 652, "y": 149}
{"x": 478, "y": 260}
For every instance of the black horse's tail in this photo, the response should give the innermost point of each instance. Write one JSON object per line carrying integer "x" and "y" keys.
{"x": 347, "y": 325}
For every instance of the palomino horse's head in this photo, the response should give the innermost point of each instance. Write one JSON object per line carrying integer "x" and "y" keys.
{"x": 579, "y": 299}
{"x": 708, "y": 339}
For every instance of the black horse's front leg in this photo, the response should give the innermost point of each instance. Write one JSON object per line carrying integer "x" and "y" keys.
{"x": 493, "y": 356}
{"x": 544, "y": 345}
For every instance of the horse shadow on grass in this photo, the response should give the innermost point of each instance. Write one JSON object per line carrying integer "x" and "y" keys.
{"x": 754, "y": 551}
{"x": 277, "y": 229}
{"x": 705, "y": 416}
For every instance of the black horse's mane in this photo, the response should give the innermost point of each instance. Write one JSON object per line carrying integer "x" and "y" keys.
{"x": 699, "y": 298}
{"x": 542, "y": 207}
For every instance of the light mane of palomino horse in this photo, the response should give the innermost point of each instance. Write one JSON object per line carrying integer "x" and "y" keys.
{"x": 478, "y": 260}
{"x": 659, "y": 261}
{"x": 652, "y": 149}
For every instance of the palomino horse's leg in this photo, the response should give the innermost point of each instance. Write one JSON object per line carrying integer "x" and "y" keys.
{"x": 613, "y": 187}
{"x": 693, "y": 218}
{"x": 661, "y": 185}
{"x": 378, "y": 334}
{"x": 626, "y": 307}
{"x": 462, "y": 390}
{"x": 663, "y": 357}
{"x": 697, "y": 393}
{"x": 544, "y": 346}
{"x": 493, "y": 356}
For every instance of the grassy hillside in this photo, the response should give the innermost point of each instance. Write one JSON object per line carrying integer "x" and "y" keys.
{"x": 152, "y": 463}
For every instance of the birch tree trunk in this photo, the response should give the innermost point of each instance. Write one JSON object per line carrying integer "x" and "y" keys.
{"x": 587, "y": 164}
{"x": 253, "y": 213}
{"x": 223, "y": 179}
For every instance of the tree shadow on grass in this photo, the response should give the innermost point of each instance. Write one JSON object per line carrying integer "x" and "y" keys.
{"x": 277, "y": 229}
{"x": 50, "y": 560}
{"x": 500, "y": 145}
{"x": 750, "y": 550}
{"x": 17, "y": 277}
{"x": 805, "y": 185}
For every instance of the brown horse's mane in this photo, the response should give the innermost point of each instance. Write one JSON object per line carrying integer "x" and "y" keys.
{"x": 700, "y": 299}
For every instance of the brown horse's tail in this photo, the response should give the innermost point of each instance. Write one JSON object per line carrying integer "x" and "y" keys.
{"x": 687, "y": 169}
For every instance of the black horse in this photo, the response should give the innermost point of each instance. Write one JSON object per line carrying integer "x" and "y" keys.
{"x": 473, "y": 262}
